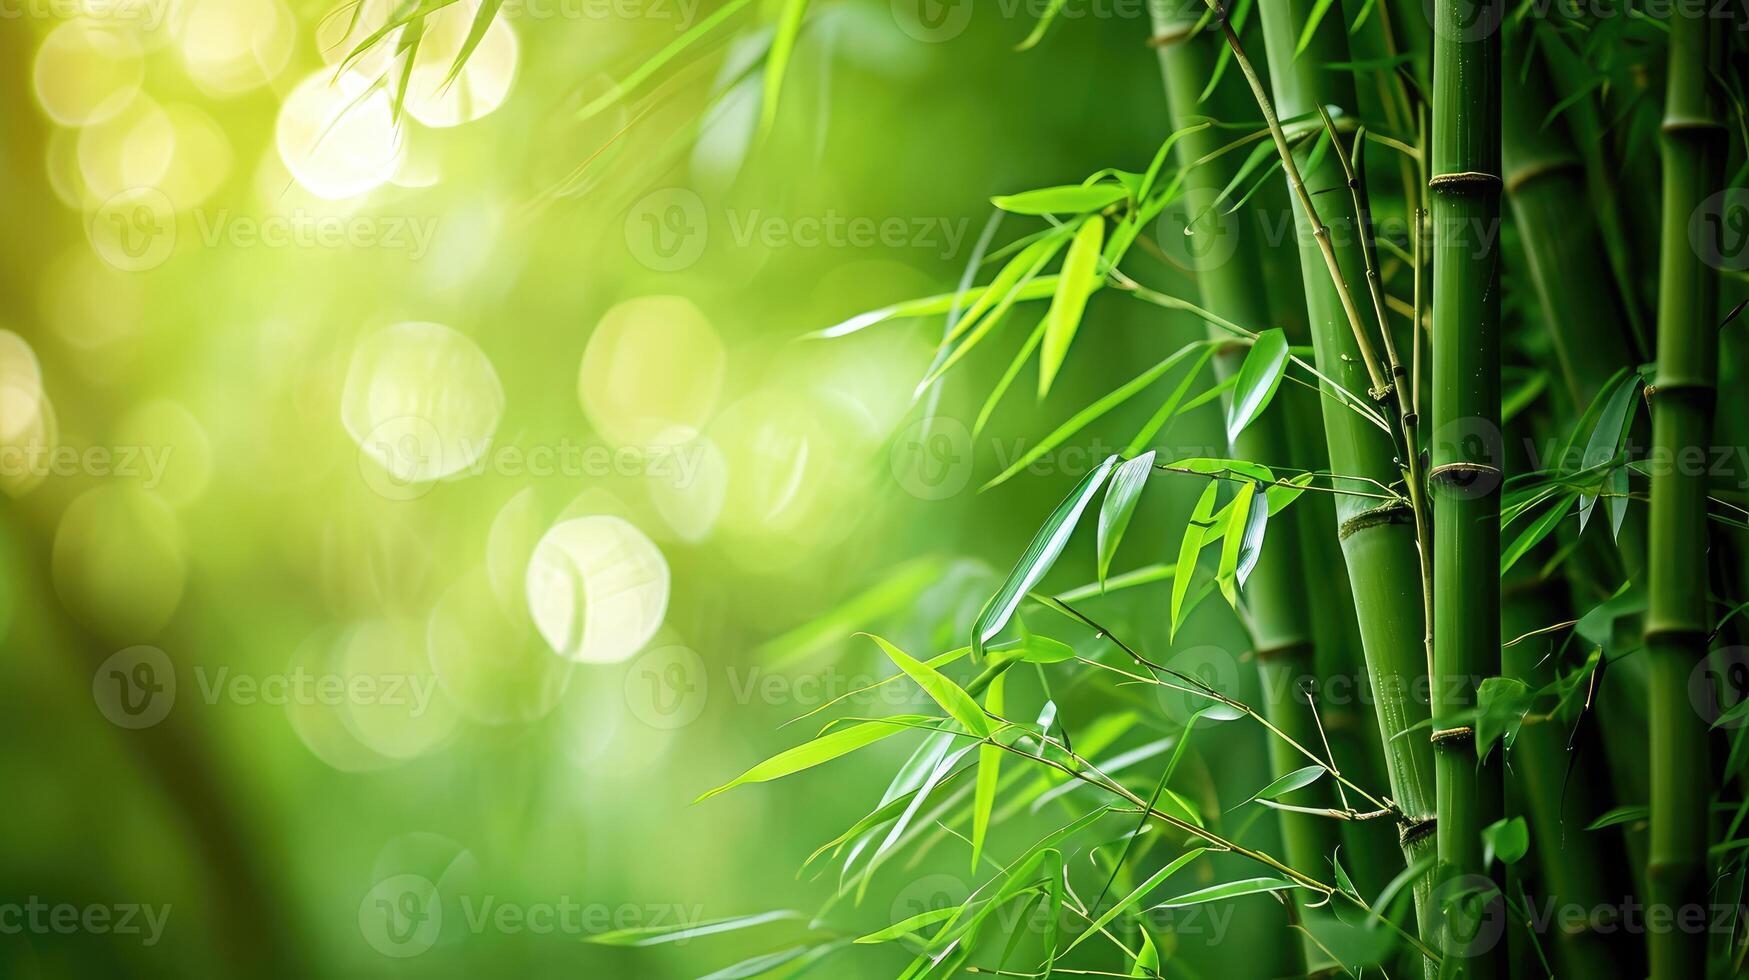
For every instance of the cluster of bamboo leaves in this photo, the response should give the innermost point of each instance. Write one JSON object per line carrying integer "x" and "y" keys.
{"x": 1381, "y": 414}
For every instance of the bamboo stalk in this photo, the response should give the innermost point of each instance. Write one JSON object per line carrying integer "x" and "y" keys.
{"x": 1378, "y": 542}
{"x": 1466, "y": 450}
{"x": 1278, "y": 612}
{"x": 1677, "y": 620}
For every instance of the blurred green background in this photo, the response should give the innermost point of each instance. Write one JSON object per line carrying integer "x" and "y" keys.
{"x": 261, "y": 663}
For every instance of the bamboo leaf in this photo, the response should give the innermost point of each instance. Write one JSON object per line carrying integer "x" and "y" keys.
{"x": 1141, "y": 891}
{"x": 487, "y": 10}
{"x": 1120, "y": 505}
{"x": 1238, "y": 520}
{"x": 1539, "y": 529}
{"x": 1079, "y": 278}
{"x": 1080, "y": 420}
{"x": 928, "y": 306}
{"x": 643, "y": 72}
{"x": 1232, "y": 889}
{"x": 1283, "y": 785}
{"x": 1044, "y": 24}
{"x": 1259, "y": 377}
{"x": 989, "y": 773}
{"x": 909, "y": 926}
{"x": 1188, "y": 550}
{"x": 1501, "y": 704}
{"x": 1606, "y": 436}
{"x": 1068, "y": 199}
{"x": 1046, "y": 545}
{"x": 1007, "y": 380}
{"x": 1507, "y": 839}
{"x": 783, "y": 43}
{"x": 657, "y": 935}
{"x": 1313, "y": 19}
{"x": 952, "y": 698}
{"x": 823, "y": 749}
{"x": 1622, "y": 814}
{"x": 1147, "y": 958}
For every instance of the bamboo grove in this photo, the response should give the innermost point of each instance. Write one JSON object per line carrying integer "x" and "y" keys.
{"x": 1461, "y": 280}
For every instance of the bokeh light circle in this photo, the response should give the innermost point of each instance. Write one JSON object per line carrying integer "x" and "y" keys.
{"x": 86, "y": 72}
{"x": 422, "y": 401}
{"x": 597, "y": 589}
{"x": 337, "y": 137}
{"x": 651, "y": 372}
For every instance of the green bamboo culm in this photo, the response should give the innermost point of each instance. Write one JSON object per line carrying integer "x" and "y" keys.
{"x": 1682, "y": 399}
{"x": 1278, "y": 610}
{"x": 1378, "y": 540}
{"x": 1466, "y": 450}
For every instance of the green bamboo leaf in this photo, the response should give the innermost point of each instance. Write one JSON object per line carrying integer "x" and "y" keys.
{"x": 487, "y": 10}
{"x": 1188, "y": 550}
{"x": 909, "y": 926}
{"x": 1068, "y": 199}
{"x": 1148, "y": 957}
{"x": 1501, "y": 704}
{"x": 1283, "y": 785}
{"x": 1539, "y": 529}
{"x": 1079, "y": 278}
{"x": 952, "y": 698}
{"x": 1100, "y": 406}
{"x": 1606, "y": 437}
{"x": 928, "y": 306}
{"x": 1622, "y": 814}
{"x": 1172, "y": 406}
{"x": 1313, "y": 19}
{"x": 1232, "y": 889}
{"x": 895, "y": 591}
{"x": 1046, "y": 545}
{"x": 989, "y": 773}
{"x": 1238, "y": 523}
{"x": 783, "y": 44}
{"x": 1034, "y": 259}
{"x": 1120, "y": 505}
{"x": 1259, "y": 377}
{"x": 1288, "y": 491}
{"x": 1507, "y": 839}
{"x": 657, "y": 935}
{"x": 823, "y": 749}
{"x": 642, "y": 73}
{"x": 1154, "y": 881}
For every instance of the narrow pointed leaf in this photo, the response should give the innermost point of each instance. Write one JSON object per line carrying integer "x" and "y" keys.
{"x": 1238, "y": 520}
{"x": 1071, "y": 199}
{"x": 642, "y": 73}
{"x": 989, "y": 773}
{"x": 783, "y": 44}
{"x": 952, "y": 698}
{"x": 823, "y": 749}
{"x": 1283, "y": 785}
{"x": 1606, "y": 437}
{"x": 1046, "y": 545}
{"x": 657, "y": 935}
{"x": 1120, "y": 505}
{"x": 1141, "y": 892}
{"x": 1080, "y": 276}
{"x": 1232, "y": 889}
{"x": 1188, "y": 550}
{"x": 1259, "y": 377}
{"x": 927, "y": 306}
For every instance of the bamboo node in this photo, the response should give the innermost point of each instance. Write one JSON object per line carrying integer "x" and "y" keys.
{"x": 1411, "y": 831}
{"x": 1463, "y": 179}
{"x": 1391, "y": 513}
{"x": 1457, "y": 736}
{"x": 1452, "y": 471}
